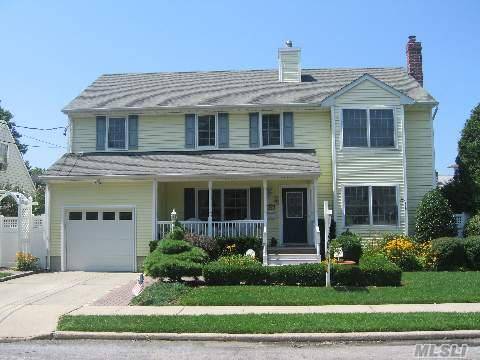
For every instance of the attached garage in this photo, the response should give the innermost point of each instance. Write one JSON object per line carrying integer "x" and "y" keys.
{"x": 100, "y": 239}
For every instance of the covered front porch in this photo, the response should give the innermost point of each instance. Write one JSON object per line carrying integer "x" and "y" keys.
{"x": 281, "y": 211}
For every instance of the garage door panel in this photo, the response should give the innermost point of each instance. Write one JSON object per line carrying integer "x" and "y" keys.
{"x": 100, "y": 245}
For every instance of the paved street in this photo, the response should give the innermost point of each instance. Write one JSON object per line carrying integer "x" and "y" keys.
{"x": 94, "y": 349}
{"x": 30, "y": 306}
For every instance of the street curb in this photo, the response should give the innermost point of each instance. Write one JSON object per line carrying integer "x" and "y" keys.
{"x": 16, "y": 276}
{"x": 286, "y": 337}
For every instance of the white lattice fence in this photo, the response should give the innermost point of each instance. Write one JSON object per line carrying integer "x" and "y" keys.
{"x": 33, "y": 241}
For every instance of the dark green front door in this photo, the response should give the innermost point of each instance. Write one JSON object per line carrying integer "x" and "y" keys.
{"x": 294, "y": 203}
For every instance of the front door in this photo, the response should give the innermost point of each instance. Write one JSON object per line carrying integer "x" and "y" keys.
{"x": 294, "y": 203}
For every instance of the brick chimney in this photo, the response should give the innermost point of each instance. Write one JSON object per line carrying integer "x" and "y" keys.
{"x": 414, "y": 59}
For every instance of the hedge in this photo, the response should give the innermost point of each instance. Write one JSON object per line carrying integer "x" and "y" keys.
{"x": 472, "y": 252}
{"x": 449, "y": 253}
{"x": 378, "y": 273}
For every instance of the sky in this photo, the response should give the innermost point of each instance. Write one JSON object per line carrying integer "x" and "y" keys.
{"x": 51, "y": 50}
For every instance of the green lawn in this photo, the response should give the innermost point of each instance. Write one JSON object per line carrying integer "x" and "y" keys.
{"x": 273, "y": 323}
{"x": 4, "y": 274}
{"x": 418, "y": 287}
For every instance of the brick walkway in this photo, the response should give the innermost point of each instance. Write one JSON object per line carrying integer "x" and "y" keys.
{"x": 121, "y": 295}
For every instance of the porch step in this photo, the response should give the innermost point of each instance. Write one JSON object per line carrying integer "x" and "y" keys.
{"x": 289, "y": 259}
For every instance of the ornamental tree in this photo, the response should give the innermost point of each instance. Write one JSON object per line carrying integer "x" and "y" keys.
{"x": 434, "y": 217}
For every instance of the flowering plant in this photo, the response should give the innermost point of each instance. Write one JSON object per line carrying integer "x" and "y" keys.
{"x": 26, "y": 261}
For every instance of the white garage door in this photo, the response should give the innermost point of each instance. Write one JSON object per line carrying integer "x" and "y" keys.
{"x": 100, "y": 240}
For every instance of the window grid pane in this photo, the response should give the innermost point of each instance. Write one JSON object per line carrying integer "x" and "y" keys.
{"x": 206, "y": 130}
{"x": 294, "y": 205}
{"x": 235, "y": 204}
{"x": 382, "y": 128}
{"x": 116, "y": 133}
{"x": 203, "y": 205}
{"x": 356, "y": 206}
{"x": 271, "y": 129}
{"x": 355, "y": 128}
{"x": 384, "y": 205}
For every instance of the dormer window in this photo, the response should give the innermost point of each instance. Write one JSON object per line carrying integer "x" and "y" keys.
{"x": 206, "y": 131}
{"x": 3, "y": 156}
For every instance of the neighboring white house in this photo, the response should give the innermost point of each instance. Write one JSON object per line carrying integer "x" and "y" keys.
{"x": 13, "y": 172}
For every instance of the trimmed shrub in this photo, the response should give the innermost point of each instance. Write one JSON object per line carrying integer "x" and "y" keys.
{"x": 152, "y": 245}
{"x": 434, "y": 218}
{"x": 217, "y": 273}
{"x": 379, "y": 271}
{"x": 449, "y": 253}
{"x": 347, "y": 275}
{"x": 173, "y": 269}
{"x": 177, "y": 233}
{"x": 168, "y": 246}
{"x": 472, "y": 252}
{"x": 472, "y": 227}
{"x": 351, "y": 245}
{"x": 195, "y": 255}
{"x": 302, "y": 274}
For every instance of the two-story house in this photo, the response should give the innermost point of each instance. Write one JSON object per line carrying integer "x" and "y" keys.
{"x": 13, "y": 172}
{"x": 240, "y": 153}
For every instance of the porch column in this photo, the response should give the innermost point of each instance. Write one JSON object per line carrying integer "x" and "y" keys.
{"x": 315, "y": 214}
{"x": 210, "y": 208}
{"x": 265, "y": 218}
{"x": 154, "y": 209}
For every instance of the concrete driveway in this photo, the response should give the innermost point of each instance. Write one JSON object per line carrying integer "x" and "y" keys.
{"x": 30, "y": 306}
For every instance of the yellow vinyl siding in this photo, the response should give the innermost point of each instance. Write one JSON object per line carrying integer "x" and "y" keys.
{"x": 161, "y": 132}
{"x": 239, "y": 130}
{"x": 419, "y": 153}
{"x": 369, "y": 166}
{"x": 135, "y": 193}
{"x": 367, "y": 93}
{"x": 84, "y": 134}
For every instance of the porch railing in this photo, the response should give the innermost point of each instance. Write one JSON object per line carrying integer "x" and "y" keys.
{"x": 252, "y": 228}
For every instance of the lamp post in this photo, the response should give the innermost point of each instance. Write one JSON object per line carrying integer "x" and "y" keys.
{"x": 173, "y": 218}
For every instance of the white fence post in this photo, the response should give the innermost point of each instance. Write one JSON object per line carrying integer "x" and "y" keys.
{"x": 327, "y": 216}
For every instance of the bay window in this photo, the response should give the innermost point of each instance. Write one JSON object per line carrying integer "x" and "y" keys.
{"x": 373, "y": 128}
{"x": 370, "y": 205}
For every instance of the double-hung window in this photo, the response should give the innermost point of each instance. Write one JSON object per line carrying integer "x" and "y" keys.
{"x": 271, "y": 129}
{"x": 373, "y": 128}
{"x": 370, "y": 205}
{"x": 3, "y": 156}
{"x": 117, "y": 133}
{"x": 206, "y": 131}
{"x": 227, "y": 204}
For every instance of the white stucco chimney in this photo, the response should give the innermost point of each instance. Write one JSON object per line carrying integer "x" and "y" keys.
{"x": 289, "y": 69}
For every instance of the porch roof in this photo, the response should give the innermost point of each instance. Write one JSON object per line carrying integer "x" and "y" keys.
{"x": 188, "y": 164}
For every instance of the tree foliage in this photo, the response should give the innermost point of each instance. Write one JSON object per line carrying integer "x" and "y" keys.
{"x": 466, "y": 187}
{"x": 6, "y": 117}
{"x": 434, "y": 217}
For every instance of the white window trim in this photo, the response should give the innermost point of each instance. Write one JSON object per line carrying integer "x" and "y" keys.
{"x": 260, "y": 115}
{"x": 8, "y": 154}
{"x": 367, "y": 109}
{"x": 206, "y": 147}
{"x": 222, "y": 205}
{"x": 107, "y": 148}
{"x": 370, "y": 205}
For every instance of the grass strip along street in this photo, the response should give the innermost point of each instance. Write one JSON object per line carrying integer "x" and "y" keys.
{"x": 272, "y": 323}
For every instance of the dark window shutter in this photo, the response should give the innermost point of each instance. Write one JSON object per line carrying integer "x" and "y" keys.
{"x": 132, "y": 132}
{"x": 288, "y": 129}
{"x": 188, "y": 203}
{"x": 256, "y": 203}
{"x": 254, "y": 138}
{"x": 101, "y": 132}
{"x": 190, "y": 131}
{"x": 223, "y": 131}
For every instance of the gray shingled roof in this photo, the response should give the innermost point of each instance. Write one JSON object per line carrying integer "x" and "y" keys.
{"x": 230, "y": 88}
{"x": 189, "y": 164}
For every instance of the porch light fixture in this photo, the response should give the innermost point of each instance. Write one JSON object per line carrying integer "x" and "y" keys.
{"x": 173, "y": 216}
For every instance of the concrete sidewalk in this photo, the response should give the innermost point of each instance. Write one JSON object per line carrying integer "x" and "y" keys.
{"x": 232, "y": 310}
